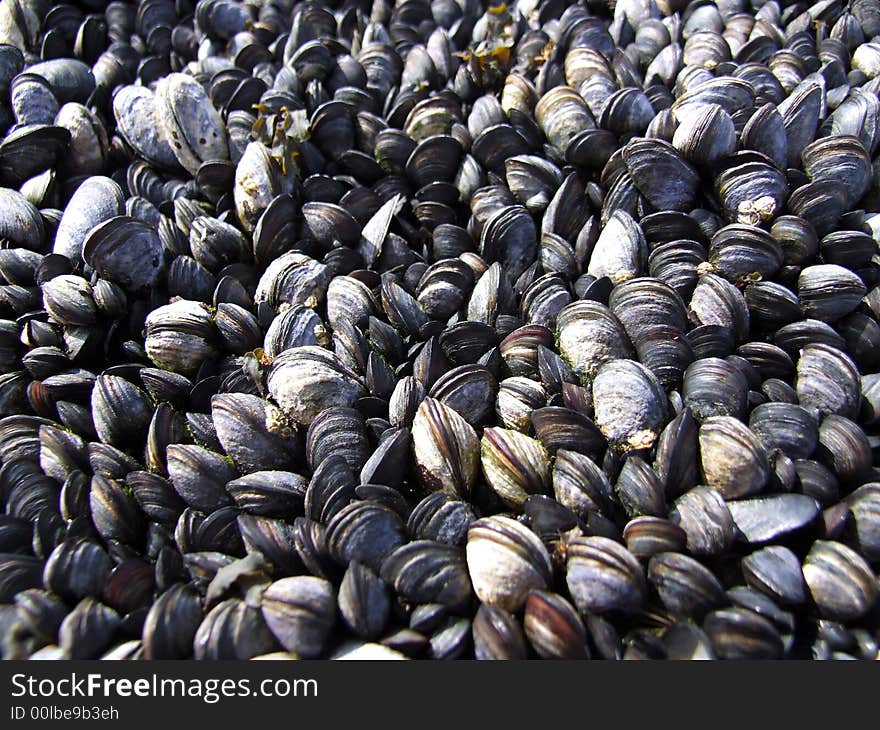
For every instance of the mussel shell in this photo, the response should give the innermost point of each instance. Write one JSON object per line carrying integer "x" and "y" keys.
{"x": 364, "y": 531}
{"x": 686, "y": 588}
{"x": 233, "y": 630}
{"x": 828, "y": 380}
{"x": 300, "y": 612}
{"x": 171, "y": 624}
{"x": 603, "y": 576}
{"x": 125, "y": 250}
{"x": 630, "y": 405}
{"x": 553, "y": 627}
{"x": 839, "y": 580}
{"x": 425, "y": 572}
{"x": 733, "y": 460}
{"x": 505, "y": 561}
{"x": 497, "y": 634}
{"x": 775, "y": 571}
{"x": 307, "y": 380}
{"x": 737, "y": 633}
{"x": 706, "y": 519}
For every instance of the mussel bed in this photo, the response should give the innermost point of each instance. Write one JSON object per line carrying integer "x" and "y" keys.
{"x": 440, "y": 329}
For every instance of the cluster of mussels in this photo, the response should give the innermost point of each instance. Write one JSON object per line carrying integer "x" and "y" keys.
{"x": 440, "y": 328}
